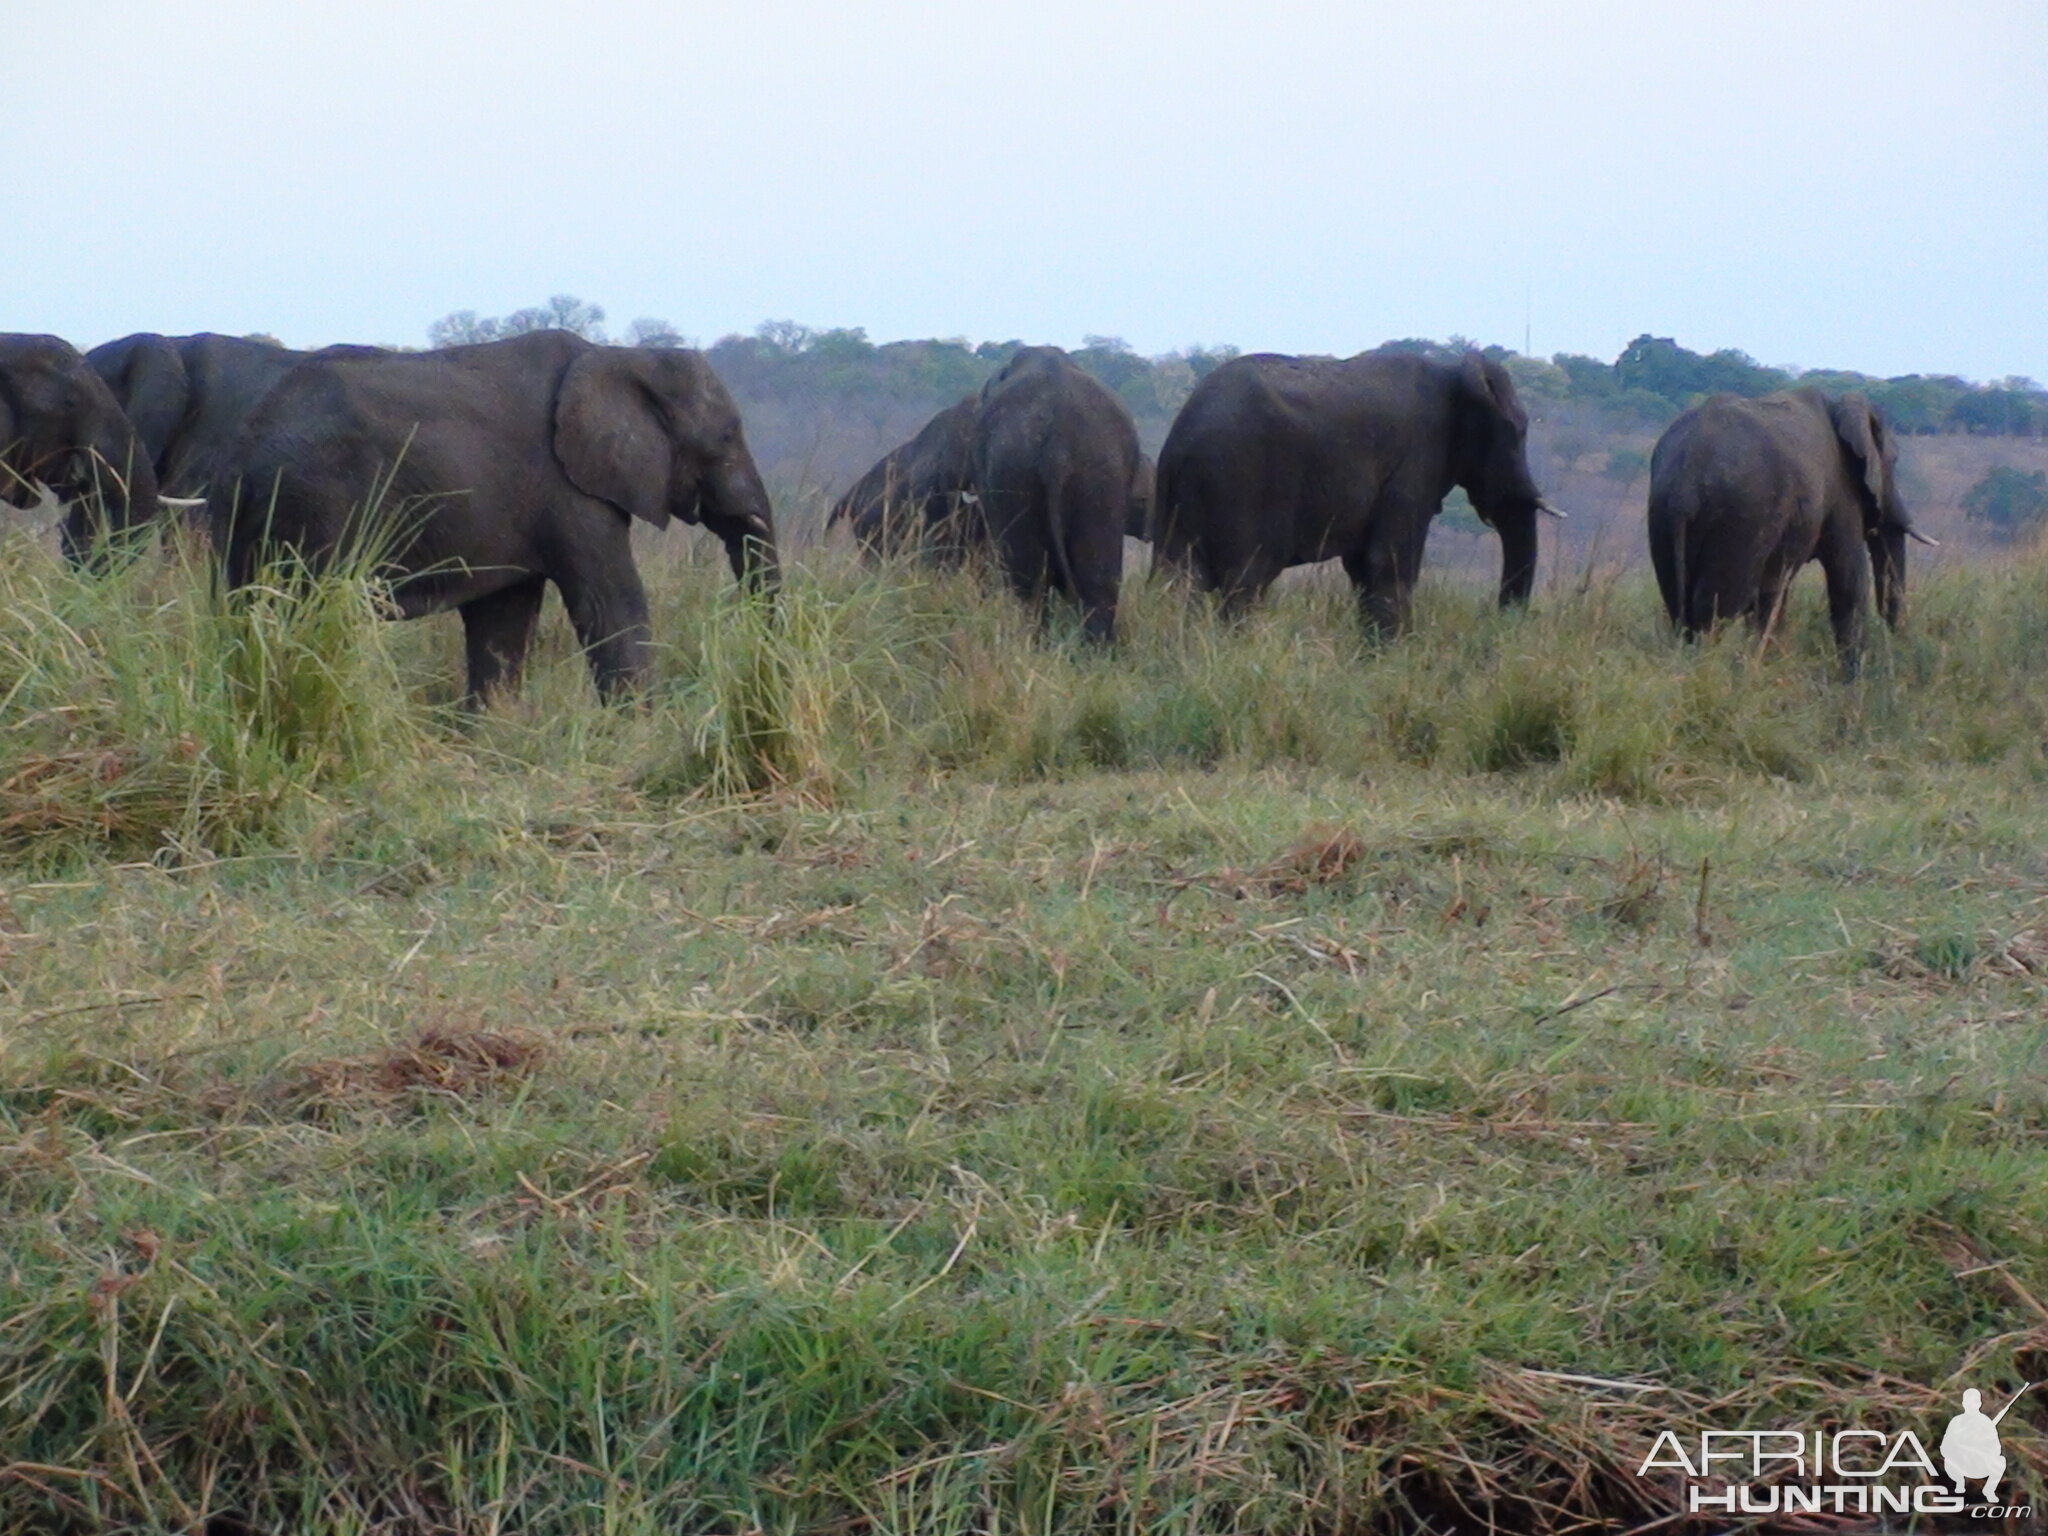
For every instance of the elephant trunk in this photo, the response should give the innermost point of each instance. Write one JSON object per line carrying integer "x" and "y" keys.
{"x": 734, "y": 505}
{"x": 1517, "y": 531}
{"x": 1888, "y": 564}
{"x": 112, "y": 489}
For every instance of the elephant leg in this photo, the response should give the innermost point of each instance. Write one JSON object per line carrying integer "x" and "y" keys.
{"x": 1665, "y": 547}
{"x": 1095, "y": 563}
{"x": 1384, "y": 573}
{"x": 1846, "y": 562}
{"x": 1097, "y": 597}
{"x": 608, "y": 609}
{"x": 497, "y": 631}
{"x": 1022, "y": 548}
{"x": 1244, "y": 582}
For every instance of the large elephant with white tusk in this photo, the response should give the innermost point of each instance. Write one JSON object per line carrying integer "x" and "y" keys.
{"x": 1744, "y": 492}
{"x": 61, "y": 427}
{"x": 499, "y": 468}
{"x": 1281, "y": 461}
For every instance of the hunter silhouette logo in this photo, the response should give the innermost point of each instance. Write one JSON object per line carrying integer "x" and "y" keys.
{"x": 1969, "y": 1447}
{"x": 1849, "y": 1470}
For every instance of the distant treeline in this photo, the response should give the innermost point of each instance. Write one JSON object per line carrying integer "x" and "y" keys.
{"x": 1650, "y": 383}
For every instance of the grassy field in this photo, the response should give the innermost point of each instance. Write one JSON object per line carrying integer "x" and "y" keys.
{"x": 915, "y": 1078}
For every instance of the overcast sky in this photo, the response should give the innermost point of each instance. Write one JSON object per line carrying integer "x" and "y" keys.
{"x": 1814, "y": 181}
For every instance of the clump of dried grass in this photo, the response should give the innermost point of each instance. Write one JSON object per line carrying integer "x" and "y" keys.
{"x": 1323, "y": 855}
{"x": 1950, "y": 959}
{"x": 463, "y": 1062}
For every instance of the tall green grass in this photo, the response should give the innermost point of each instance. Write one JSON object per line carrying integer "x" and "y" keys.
{"x": 142, "y": 708}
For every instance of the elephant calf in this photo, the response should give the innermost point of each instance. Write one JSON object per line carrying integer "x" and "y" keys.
{"x": 1744, "y": 492}
{"x": 61, "y": 427}
{"x": 492, "y": 470}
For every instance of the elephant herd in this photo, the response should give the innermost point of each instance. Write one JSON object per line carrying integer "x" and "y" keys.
{"x": 474, "y": 476}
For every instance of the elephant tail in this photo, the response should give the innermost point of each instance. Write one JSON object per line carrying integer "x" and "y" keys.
{"x": 1059, "y": 526}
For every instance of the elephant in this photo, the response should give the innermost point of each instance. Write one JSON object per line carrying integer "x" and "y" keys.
{"x": 1277, "y": 461}
{"x": 61, "y": 426}
{"x": 187, "y": 395}
{"x": 1055, "y": 463}
{"x": 1743, "y": 492}
{"x": 486, "y": 471}
{"x": 917, "y": 486}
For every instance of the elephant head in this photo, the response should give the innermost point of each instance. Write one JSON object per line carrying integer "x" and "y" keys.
{"x": 60, "y": 427}
{"x": 147, "y": 376}
{"x": 1872, "y": 456}
{"x": 1489, "y": 459}
{"x": 1144, "y": 485}
{"x": 654, "y": 432}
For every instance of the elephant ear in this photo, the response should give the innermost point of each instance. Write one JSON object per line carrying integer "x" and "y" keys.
{"x": 153, "y": 389}
{"x": 1486, "y": 385}
{"x": 611, "y": 435}
{"x": 1863, "y": 434}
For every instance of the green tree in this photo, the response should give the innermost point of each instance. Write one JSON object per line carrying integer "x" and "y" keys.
{"x": 1661, "y": 366}
{"x": 1915, "y": 402}
{"x": 2011, "y": 501}
{"x": 1203, "y": 361}
{"x": 1537, "y": 380}
{"x": 1587, "y": 377}
{"x": 1998, "y": 410}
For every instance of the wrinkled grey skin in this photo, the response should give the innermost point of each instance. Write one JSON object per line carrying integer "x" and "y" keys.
{"x": 1745, "y": 492}
{"x": 1055, "y": 463}
{"x": 502, "y": 467}
{"x": 916, "y": 489}
{"x": 1282, "y": 461}
{"x": 61, "y": 426}
{"x": 187, "y": 396}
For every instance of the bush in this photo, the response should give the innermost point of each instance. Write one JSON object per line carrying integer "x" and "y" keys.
{"x": 2011, "y": 501}
{"x": 141, "y": 706}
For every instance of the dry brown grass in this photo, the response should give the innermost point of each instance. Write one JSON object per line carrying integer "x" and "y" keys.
{"x": 460, "y": 1061}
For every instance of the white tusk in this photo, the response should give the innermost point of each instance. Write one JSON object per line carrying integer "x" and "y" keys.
{"x": 1546, "y": 507}
{"x": 1920, "y": 538}
{"x": 182, "y": 503}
